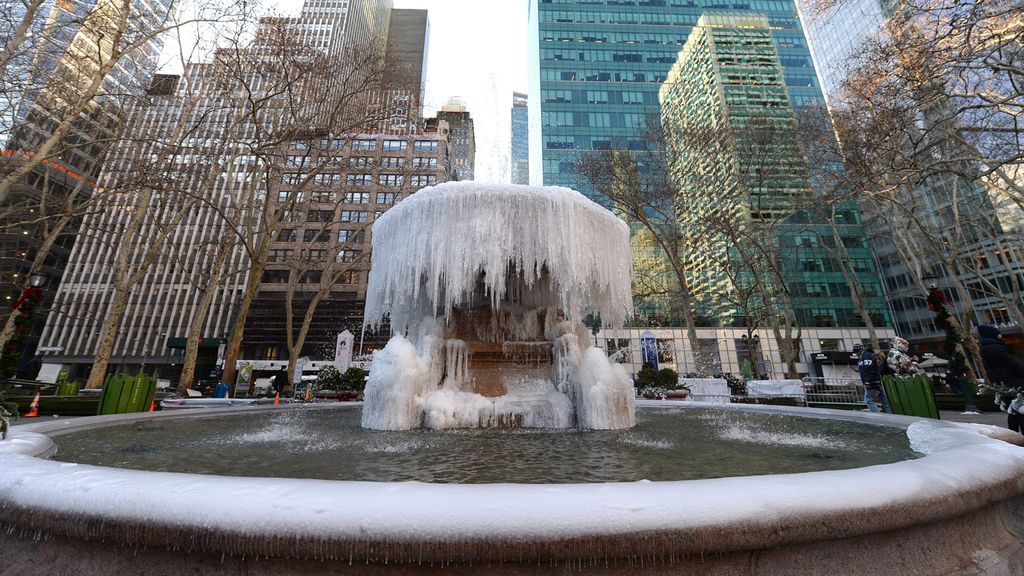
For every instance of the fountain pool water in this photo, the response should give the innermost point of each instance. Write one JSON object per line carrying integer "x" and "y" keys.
{"x": 957, "y": 508}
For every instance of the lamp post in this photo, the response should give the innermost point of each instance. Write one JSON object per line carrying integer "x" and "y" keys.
{"x": 957, "y": 362}
{"x": 24, "y": 311}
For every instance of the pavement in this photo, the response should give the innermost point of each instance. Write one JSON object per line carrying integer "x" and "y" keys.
{"x": 992, "y": 418}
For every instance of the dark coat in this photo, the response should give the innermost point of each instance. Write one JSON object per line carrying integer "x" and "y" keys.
{"x": 870, "y": 370}
{"x": 280, "y": 381}
{"x": 1002, "y": 368}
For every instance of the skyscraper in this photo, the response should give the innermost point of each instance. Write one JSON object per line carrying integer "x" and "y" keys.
{"x": 66, "y": 85}
{"x": 463, "y": 137}
{"x": 307, "y": 188}
{"x": 520, "y": 139}
{"x": 746, "y": 170}
{"x": 600, "y": 65}
{"x": 838, "y": 38}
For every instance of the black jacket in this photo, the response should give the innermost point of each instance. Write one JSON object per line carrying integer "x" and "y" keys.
{"x": 1001, "y": 367}
{"x": 870, "y": 370}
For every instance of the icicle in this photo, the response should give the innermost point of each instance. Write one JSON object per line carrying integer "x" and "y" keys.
{"x": 536, "y": 247}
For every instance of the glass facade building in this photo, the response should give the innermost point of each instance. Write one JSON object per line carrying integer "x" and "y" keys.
{"x": 600, "y": 65}
{"x": 520, "y": 139}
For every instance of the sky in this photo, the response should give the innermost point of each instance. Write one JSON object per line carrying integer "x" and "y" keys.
{"x": 477, "y": 51}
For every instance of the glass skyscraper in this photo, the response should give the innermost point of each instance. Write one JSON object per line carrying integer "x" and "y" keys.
{"x": 520, "y": 139}
{"x": 600, "y": 65}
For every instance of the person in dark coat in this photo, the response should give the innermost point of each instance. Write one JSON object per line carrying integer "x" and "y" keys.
{"x": 870, "y": 369}
{"x": 1004, "y": 371}
{"x": 279, "y": 382}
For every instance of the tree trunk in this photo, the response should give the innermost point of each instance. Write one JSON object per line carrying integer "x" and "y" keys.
{"x": 108, "y": 336}
{"x": 195, "y": 329}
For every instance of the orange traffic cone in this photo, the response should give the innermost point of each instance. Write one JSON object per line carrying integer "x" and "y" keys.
{"x": 33, "y": 408}
{"x": 277, "y": 399}
{"x": 307, "y": 394}
{"x": 152, "y": 405}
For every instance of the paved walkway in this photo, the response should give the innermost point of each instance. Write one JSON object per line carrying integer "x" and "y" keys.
{"x": 993, "y": 418}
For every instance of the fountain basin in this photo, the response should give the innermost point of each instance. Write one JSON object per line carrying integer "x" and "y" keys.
{"x": 958, "y": 509}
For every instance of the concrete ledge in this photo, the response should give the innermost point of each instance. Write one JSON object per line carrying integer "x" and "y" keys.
{"x": 958, "y": 510}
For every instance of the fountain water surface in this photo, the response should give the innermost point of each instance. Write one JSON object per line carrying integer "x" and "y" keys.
{"x": 485, "y": 287}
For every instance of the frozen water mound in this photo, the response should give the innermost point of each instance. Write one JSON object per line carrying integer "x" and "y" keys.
{"x": 430, "y": 250}
{"x": 485, "y": 287}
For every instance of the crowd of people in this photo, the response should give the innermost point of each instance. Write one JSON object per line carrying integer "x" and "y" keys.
{"x": 1004, "y": 373}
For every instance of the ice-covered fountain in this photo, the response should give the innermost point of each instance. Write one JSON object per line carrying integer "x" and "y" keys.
{"x": 485, "y": 288}
{"x": 488, "y": 335}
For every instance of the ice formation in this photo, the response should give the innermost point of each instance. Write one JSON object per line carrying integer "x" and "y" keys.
{"x": 430, "y": 250}
{"x": 485, "y": 287}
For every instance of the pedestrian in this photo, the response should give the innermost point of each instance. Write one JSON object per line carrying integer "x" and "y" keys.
{"x": 1005, "y": 374}
{"x": 899, "y": 361}
{"x": 280, "y": 381}
{"x": 869, "y": 366}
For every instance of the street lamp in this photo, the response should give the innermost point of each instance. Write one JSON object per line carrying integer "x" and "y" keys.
{"x": 23, "y": 312}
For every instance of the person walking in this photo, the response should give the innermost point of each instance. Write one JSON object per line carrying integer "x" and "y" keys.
{"x": 279, "y": 382}
{"x": 1004, "y": 373}
{"x": 868, "y": 364}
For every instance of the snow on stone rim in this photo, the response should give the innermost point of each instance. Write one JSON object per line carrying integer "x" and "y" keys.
{"x": 962, "y": 461}
{"x": 429, "y": 249}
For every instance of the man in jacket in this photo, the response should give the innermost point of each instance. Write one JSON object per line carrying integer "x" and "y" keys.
{"x": 1005, "y": 373}
{"x": 871, "y": 376}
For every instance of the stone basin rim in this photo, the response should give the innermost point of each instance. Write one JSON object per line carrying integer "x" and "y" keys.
{"x": 963, "y": 472}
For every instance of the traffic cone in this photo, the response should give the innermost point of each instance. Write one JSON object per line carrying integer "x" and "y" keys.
{"x": 277, "y": 399}
{"x": 307, "y": 394}
{"x": 33, "y": 408}
{"x": 152, "y": 404}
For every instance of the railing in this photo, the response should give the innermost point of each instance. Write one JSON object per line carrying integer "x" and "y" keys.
{"x": 834, "y": 392}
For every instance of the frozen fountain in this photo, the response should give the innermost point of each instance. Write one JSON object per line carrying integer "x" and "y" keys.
{"x": 485, "y": 287}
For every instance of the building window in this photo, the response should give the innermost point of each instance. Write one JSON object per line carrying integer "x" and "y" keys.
{"x": 291, "y": 178}
{"x": 420, "y": 180}
{"x": 349, "y": 255}
{"x": 329, "y": 197}
{"x": 295, "y": 161}
{"x": 357, "y": 198}
{"x": 315, "y": 255}
{"x": 353, "y": 216}
{"x": 350, "y": 235}
{"x": 361, "y": 161}
{"x": 426, "y": 146}
{"x": 281, "y": 255}
{"x": 314, "y": 235}
{"x": 364, "y": 144}
{"x": 360, "y": 179}
{"x": 328, "y": 179}
{"x": 390, "y": 180}
{"x": 275, "y": 276}
{"x": 320, "y": 216}
{"x": 395, "y": 145}
{"x": 288, "y": 235}
{"x": 392, "y": 162}
{"x": 388, "y": 197}
{"x": 424, "y": 162}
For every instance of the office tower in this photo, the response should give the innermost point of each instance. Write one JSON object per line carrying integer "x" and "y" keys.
{"x": 463, "y": 138}
{"x": 520, "y": 139}
{"x": 991, "y": 246}
{"x": 311, "y": 190}
{"x": 328, "y": 240}
{"x": 600, "y": 66}
{"x": 163, "y": 306}
{"x": 751, "y": 173}
{"x": 65, "y": 90}
{"x": 408, "y": 40}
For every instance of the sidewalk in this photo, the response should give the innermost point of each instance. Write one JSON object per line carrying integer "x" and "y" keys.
{"x": 992, "y": 418}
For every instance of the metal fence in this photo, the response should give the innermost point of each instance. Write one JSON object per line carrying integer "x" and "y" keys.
{"x": 834, "y": 392}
